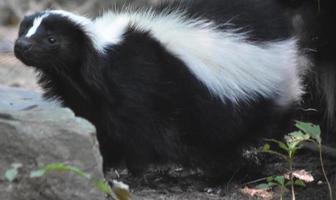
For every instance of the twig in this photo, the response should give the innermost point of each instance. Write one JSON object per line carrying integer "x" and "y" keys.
{"x": 324, "y": 173}
{"x": 328, "y": 151}
{"x": 255, "y": 181}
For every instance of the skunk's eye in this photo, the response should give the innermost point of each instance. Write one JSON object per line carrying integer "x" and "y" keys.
{"x": 51, "y": 40}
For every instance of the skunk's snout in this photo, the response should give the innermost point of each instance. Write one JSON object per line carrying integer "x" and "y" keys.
{"x": 23, "y": 44}
{"x": 23, "y": 50}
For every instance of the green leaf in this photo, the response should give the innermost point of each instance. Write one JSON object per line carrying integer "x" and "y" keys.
{"x": 103, "y": 186}
{"x": 288, "y": 183}
{"x": 285, "y": 157}
{"x": 299, "y": 182}
{"x": 263, "y": 186}
{"x": 11, "y": 174}
{"x": 269, "y": 179}
{"x": 313, "y": 130}
{"x": 280, "y": 144}
{"x": 37, "y": 173}
{"x": 56, "y": 167}
{"x": 298, "y": 136}
{"x": 280, "y": 180}
{"x": 294, "y": 141}
{"x": 283, "y": 146}
{"x": 266, "y": 148}
{"x": 78, "y": 172}
{"x": 61, "y": 167}
{"x": 272, "y": 184}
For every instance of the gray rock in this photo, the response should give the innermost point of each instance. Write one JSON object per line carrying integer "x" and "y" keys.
{"x": 43, "y": 134}
{"x": 16, "y": 99}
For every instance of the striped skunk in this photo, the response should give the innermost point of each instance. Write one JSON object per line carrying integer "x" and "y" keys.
{"x": 189, "y": 82}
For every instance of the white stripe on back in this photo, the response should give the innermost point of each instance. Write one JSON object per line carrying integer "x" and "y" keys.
{"x": 231, "y": 67}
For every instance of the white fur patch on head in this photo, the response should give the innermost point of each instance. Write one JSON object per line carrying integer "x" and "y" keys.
{"x": 86, "y": 23}
{"x": 83, "y": 21}
{"x": 37, "y": 22}
{"x": 100, "y": 33}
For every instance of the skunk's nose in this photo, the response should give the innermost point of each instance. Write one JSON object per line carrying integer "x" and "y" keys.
{"x": 23, "y": 44}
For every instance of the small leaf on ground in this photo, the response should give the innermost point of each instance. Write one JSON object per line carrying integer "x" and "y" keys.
{"x": 259, "y": 193}
{"x": 37, "y": 173}
{"x": 11, "y": 174}
{"x": 121, "y": 190}
{"x": 103, "y": 186}
{"x": 270, "y": 178}
{"x": 299, "y": 183}
{"x": 302, "y": 175}
{"x": 280, "y": 179}
{"x": 264, "y": 186}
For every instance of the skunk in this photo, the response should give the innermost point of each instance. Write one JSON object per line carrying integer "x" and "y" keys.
{"x": 185, "y": 82}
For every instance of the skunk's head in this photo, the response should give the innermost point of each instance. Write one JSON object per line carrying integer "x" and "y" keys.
{"x": 52, "y": 38}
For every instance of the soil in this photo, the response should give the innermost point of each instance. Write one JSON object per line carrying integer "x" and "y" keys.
{"x": 173, "y": 182}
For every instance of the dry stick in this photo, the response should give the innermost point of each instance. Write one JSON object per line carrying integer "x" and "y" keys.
{"x": 321, "y": 149}
{"x": 290, "y": 160}
{"x": 255, "y": 181}
{"x": 324, "y": 173}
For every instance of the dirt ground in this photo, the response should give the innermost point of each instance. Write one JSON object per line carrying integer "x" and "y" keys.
{"x": 173, "y": 183}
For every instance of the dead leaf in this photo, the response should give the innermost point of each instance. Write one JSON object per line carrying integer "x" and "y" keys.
{"x": 260, "y": 193}
{"x": 302, "y": 175}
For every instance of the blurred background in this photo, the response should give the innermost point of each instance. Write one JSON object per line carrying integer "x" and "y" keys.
{"x": 12, "y": 72}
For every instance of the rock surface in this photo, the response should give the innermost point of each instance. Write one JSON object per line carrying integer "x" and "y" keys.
{"x": 34, "y": 133}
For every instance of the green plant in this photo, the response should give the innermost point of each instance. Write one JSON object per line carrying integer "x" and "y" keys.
{"x": 314, "y": 132}
{"x": 118, "y": 191}
{"x": 307, "y": 132}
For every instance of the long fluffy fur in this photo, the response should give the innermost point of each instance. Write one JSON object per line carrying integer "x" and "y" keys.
{"x": 190, "y": 82}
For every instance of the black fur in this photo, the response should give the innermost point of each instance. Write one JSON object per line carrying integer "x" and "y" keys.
{"x": 147, "y": 106}
{"x": 263, "y": 20}
{"x": 314, "y": 21}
